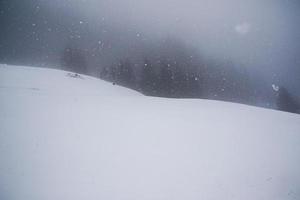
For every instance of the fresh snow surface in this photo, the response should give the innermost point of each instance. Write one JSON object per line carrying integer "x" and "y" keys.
{"x": 66, "y": 138}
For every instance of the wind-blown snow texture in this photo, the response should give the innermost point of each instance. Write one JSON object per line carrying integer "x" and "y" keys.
{"x": 67, "y": 138}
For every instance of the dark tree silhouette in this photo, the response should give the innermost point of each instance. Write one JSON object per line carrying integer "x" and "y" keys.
{"x": 286, "y": 102}
{"x": 149, "y": 80}
{"x": 105, "y": 73}
{"x": 125, "y": 74}
{"x": 166, "y": 80}
{"x": 74, "y": 60}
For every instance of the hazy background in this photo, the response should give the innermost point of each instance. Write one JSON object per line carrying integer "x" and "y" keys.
{"x": 261, "y": 36}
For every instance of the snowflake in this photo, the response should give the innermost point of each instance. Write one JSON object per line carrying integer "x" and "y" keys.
{"x": 275, "y": 87}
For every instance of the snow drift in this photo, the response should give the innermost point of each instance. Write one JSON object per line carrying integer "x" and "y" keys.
{"x": 67, "y": 137}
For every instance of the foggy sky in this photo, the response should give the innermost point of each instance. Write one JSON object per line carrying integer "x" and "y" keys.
{"x": 261, "y": 35}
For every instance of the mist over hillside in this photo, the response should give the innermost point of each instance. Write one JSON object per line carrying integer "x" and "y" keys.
{"x": 149, "y": 99}
{"x": 223, "y": 43}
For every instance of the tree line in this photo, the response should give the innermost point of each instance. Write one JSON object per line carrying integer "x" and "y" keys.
{"x": 173, "y": 70}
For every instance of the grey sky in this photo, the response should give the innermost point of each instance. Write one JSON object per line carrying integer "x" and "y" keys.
{"x": 258, "y": 34}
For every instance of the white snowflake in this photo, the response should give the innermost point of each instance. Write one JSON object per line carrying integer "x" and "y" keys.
{"x": 275, "y": 87}
{"x": 243, "y": 28}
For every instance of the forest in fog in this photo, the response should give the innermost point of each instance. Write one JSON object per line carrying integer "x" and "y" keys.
{"x": 161, "y": 56}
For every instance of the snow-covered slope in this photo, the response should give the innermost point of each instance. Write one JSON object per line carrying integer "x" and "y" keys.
{"x": 67, "y": 138}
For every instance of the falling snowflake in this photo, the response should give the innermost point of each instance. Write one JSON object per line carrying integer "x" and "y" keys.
{"x": 243, "y": 28}
{"x": 275, "y": 87}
